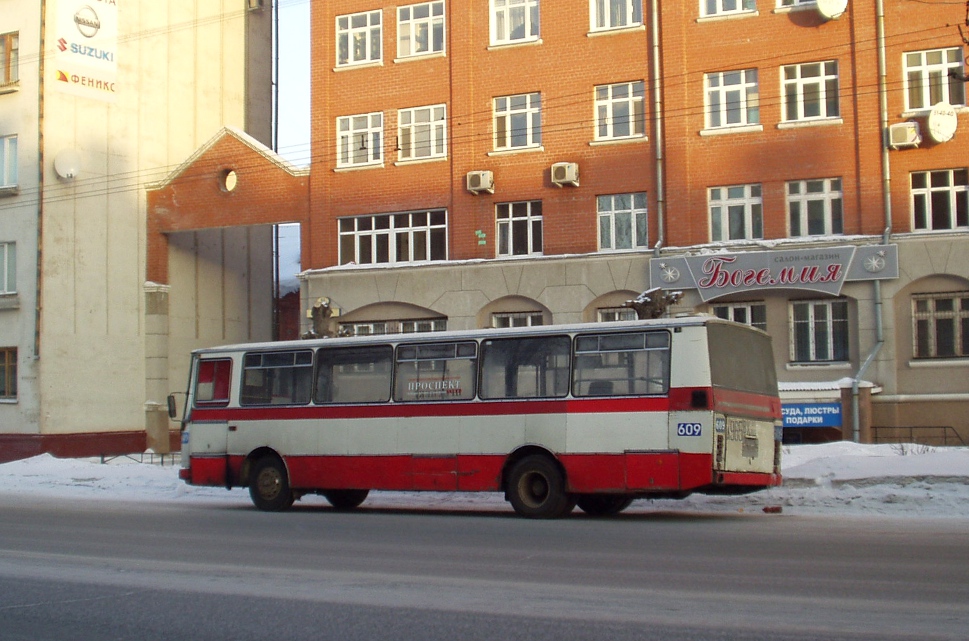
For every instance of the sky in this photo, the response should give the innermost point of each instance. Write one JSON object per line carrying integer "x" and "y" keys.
{"x": 842, "y": 479}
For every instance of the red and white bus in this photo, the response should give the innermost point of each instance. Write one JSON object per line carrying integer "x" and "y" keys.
{"x": 554, "y": 416}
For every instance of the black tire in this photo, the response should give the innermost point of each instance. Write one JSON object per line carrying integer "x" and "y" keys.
{"x": 603, "y": 504}
{"x": 269, "y": 485}
{"x": 345, "y": 499}
{"x": 536, "y": 489}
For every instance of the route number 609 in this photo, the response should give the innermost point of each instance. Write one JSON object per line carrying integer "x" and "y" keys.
{"x": 689, "y": 429}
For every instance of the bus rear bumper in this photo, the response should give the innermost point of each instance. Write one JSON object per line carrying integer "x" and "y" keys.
{"x": 739, "y": 482}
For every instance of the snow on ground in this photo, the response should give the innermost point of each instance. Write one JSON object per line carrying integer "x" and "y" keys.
{"x": 840, "y": 479}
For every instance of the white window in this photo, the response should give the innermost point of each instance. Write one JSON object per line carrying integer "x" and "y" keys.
{"x": 753, "y": 314}
{"x": 814, "y": 207}
{"x": 733, "y": 99}
{"x": 795, "y": 3}
{"x": 941, "y": 325}
{"x": 518, "y": 121}
{"x": 360, "y": 140}
{"x": 819, "y": 331}
{"x": 615, "y": 14}
{"x": 615, "y": 314}
{"x": 940, "y": 199}
{"x": 517, "y": 319}
{"x": 726, "y": 7}
{"x": 811, "y": 91}
{"x": 513, "y": 21}
{"x": 736, "y": 212}
{"x": 9, "y": 57}
{"x": 620, "y": 110}
{"x": 8, "y": 268}
{"x": 358, "y": 38}
{"x": 422, "y": 132}
{"x": 622, "y": 221}
{"x": 420, "y": 29}
{"x": 519, "y": 228}
{"x": 8, "y": 161}
{"x": 927, "y": 79}
{"x": 410, "y": 237}
{"x": 394, "y": 327}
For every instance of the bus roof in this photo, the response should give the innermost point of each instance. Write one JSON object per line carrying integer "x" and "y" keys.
{"x": 691, "y": 320}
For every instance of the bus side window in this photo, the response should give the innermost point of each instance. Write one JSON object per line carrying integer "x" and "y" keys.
{"x": 212, "y": 382}
{"x": 436, "y": 372}
{"x": 354, "y": 374}
{"x": 525, "y": 367}
{"x": 629, "y": 364}
{"x": 277, "y": 378}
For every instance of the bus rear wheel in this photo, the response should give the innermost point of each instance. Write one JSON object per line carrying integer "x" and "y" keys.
{"x": 269, "y": 485}
{"x": 345, "y": 499}
{"x": 536, "y": 489}
{"x": 603, "y": 504}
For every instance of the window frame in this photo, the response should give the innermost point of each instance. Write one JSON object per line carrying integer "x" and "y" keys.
{"x": 9, "y": 58}
{"x": 717, "y": 99}
{"x": 832, "y": 201}
{"x": 392, "y": 233}
{"x": 610, "y": 219}
{"x": 957, "y": 195}
{"x": 743, "y": 313}
{"x": 373, "y": 33}
{"x": 500, "y": 28}
{"x": 501, "y": 320}
{"x": 615, "y": 314}
{"x": 835, "y": 328}
{"x": 927, "y": 78}
{"x": 714, "y": 8}
{"x": 8, "y": 161}
{"x": 599, "y": 15}
{"x": 435, "y": 129}
{"x": 371, "y": 139}
{"x": 606, "y": 104}
{"x": 431, "y": 24}
{"x": 508, "y": 233}
{"x": 8, "y": 374}
{"x": 926, "y": 325}
{"x": 753, "y": 212}
{"x": 403, "y": 326}
{"x": 795, "y": 92}
{"x": 505, "y": 112}
{"x": 8, "y": 268}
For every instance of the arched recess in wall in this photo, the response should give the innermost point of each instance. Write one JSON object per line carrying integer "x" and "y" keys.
{"x": 391, "y": 317}
{"x": 929, "y": 314}
{"x": 609, "y": 307}
{"x": 513, "y": 311}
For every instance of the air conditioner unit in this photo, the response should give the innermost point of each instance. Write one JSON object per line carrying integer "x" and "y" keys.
{"x": 904, "y": 134}
{"x": 479, "y": 181}
{"x": 565, "y": 173}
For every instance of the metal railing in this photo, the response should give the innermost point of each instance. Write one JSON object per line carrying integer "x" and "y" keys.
{"x": 922, "y": 434}
{"x": 150, "y": 458}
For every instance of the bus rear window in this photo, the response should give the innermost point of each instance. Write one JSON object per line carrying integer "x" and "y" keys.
{"x": 630, "y": 364}
{"x": 212, "y": 382}
{"x": 741, "y": 359}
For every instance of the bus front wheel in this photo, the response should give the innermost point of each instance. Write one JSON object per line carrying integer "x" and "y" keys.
{"x": 269, "y": 485}
{"x": 536, "y": 489}
{"x": 603, "y": 504}
{"x": 345, "y": 499}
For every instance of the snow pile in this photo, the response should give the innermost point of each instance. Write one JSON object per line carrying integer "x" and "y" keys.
{"x": 841, "y": 479}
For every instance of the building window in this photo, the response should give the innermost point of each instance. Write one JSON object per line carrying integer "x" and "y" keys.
{"x": 8, "y": 373}
{"x": 733, "y": 99}
{"x": 9, "y": 57}
{"x": 394, "y": 238}
{"x": 794, "y": 3}
{"x": 622, "y": 221}
{"x": 941, "y": 325}
{"x": 8, "y": 268}
{"x": 517, "y": 319}
{"x": 927, "y": 79}
{"x": 736, "y": 213}
{"x": 819, "y": 331}
{"x": 811, "y": 91}
{"x": 360, "y": 140}
{"x": 940, "y": 200}
{"x": 615, "y": 14}
{"x": 620, "y": 111}
{"x": 394, "y": 327}
{"x": 358, "y": 38}
{"x": 815, "y": 207}
{"x": 420, "y": 29}
{"x": 519, "y": 228}
{"x": 422, "y": 132}
{"x": 8, "y": 161}
{"x": 513, "y": 21}
{"x": 753, "y": 314}
{"x": 615, "y": 314}
{"x": 518, "y": 121}
{"x": 726, "y": 7}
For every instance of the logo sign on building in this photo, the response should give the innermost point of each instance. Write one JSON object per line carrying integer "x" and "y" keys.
{"x": 822, "y": 270}
{"x": 811, "y": 414}
{"x": 86, "y": 40}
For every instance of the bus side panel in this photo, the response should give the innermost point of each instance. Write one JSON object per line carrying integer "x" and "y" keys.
{"x": 400, "y": 472}
{"x": 208, "y": 470}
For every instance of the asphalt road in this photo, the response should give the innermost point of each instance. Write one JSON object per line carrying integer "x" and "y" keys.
{"x": 87, "y": 570}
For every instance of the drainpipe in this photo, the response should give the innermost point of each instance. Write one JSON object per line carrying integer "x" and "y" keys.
{"x": 38, "y": 291}
{"x": 887, "y": 206}
{"x": 658, "y": 128}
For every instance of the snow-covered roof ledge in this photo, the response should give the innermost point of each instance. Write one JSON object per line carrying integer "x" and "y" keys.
{"x": 820, "y": 390}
